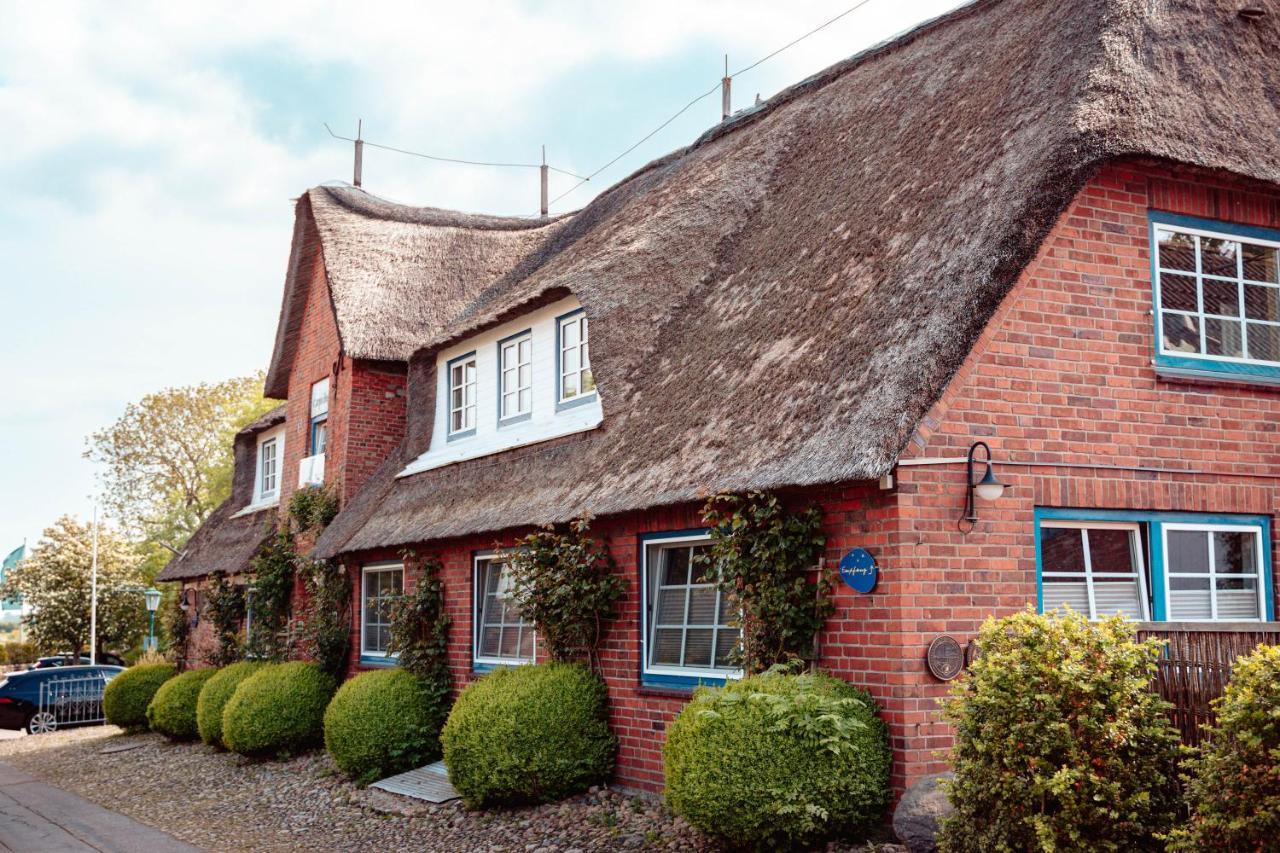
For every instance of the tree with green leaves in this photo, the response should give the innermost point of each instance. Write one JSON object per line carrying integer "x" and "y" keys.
{"x": 55, "y": 581}
{"x": 168, "y": 461}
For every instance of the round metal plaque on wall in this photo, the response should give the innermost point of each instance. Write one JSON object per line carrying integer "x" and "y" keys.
{"x": 945, "y": 658}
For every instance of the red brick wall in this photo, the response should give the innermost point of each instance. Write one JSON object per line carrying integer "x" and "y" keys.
{"x": 1063, "y": 376}
{"x": 373, "y": 406}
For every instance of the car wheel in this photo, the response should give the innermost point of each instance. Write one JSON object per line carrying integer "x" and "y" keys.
{"x": 41, "y": 722}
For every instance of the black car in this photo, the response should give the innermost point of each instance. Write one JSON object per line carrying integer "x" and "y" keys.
{"x": 80, "y": 705}
{"x": 64, "y": 659}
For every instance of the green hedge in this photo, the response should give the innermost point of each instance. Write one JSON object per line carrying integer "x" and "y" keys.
{"x": 278, "y": 709}
{"x": 172, "y": 710}
{"x": 1234, "y": 783}
{"x": 381, "y": 723}
{"x": 125, "y": 700}
{"x": 779, "y": 760}
{"x": 214, "y": 696}
{"x": 1060, "y": 743}
{"x": 529, "y": 734}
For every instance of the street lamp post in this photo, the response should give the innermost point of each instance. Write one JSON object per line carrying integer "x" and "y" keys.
{"x": 153, "y": 603}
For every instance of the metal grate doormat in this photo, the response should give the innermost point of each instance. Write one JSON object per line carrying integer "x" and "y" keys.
{"x": 430, "y": 783}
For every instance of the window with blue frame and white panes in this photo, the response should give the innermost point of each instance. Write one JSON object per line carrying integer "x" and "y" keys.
{"x": 1149, "y": 566}
{"x": 501, "y": 636}
{"x": 380, "y": 585}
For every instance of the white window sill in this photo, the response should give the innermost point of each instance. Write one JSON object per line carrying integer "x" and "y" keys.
{"x": 475, "y": 447}
{"x": 257, "y": 507}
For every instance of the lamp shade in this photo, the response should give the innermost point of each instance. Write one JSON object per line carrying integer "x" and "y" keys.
{"x": 153, "y": 599}
{"x": 989, "y": 488}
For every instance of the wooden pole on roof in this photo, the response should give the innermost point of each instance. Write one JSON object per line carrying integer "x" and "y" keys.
{"x": 725, "y": 82}
{"x": 359, "y": 152}
{"x": 543, "y": 170}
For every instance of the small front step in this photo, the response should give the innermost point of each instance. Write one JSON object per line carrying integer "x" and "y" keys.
{"x": 430, "y": 783}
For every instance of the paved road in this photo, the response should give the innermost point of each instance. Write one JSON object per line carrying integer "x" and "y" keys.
{"x": 39, "y": 817}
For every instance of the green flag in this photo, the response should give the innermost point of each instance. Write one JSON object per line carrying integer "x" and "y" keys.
{"x": 9, "y": 564}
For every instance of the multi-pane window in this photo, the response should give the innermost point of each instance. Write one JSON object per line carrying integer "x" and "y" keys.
{"x": 1094, "y": 567}
{"x": 1218, "y": 295}
{"x": 688, "y": 628}
{"x": 319, "y": 417}
{"x": 515, "y": 376}
{"x": 576, "y": 379}
{"x": 380, "y": 586}
{"x": 502, "y": 635}
{"x": 268, "y": 469}
{"x": 1213, "y": 572}
{"x": 462, "y": 394}
{"x": 1177, "y": 567}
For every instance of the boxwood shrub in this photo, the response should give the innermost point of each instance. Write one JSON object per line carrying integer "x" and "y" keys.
{"x": 529, "y": 734}
{"x": 1060, "y": 744}
{"x": 1234, "y": 783}
{"x": 126, "y": 697}
{"x": 278, "y": 709}
{"x": 172, "y": 710}
{"x": 780, "y": 760}
{"x": 381, "y": 723}
{"x": 214, "y": 695}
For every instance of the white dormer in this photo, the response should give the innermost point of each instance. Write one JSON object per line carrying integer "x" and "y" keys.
{"x": 525, "y": 381}
{"x": 268, "y": 470}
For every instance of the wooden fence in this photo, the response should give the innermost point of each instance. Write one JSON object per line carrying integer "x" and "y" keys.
{"x": 1196, "y": 665}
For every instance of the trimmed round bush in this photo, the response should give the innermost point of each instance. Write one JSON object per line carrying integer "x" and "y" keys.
{"x": 126, "y": 697}
{"x": 172, "y": 710}
{"x": 278, "y": 709}
{"x": 779, "y": 760}
{"x": 529, "y": 734}
{"x": 1234, "y": 782}
{"x": 215, "y": 695}
{"x": 381, "y": 723}
{"x": 1060, "y": 744}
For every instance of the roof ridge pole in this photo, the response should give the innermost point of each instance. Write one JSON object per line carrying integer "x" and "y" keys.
{"x": 543, "y": 170}
{"x": 359, "y": 152}
{"x": 725, "y": 82}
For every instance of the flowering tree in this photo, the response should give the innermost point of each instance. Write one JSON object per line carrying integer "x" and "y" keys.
{"x": 55, "y": 582}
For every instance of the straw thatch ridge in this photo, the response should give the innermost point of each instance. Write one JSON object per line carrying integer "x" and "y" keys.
{"x": 224, "y": 544}
{"x": 397, "y": 275}
{"x": 780, "y": 303}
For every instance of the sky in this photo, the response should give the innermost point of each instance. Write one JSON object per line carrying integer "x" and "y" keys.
{"x": 152, "y": 151}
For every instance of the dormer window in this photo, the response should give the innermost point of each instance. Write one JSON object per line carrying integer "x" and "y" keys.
{"x": 462, "y": 396}
{"x": 515, "y": 377}
{"x": 576, "y": 382}
{"x": 1217, "y": 297}
{"x": 268, "y": 468}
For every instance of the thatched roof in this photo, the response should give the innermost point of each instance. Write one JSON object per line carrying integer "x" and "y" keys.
{"x": 781, "y": 302}
{"x": 225, "y": 543}
{"x": 397, "y": 275}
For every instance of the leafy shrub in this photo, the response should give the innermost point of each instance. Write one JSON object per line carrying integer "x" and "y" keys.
{"x": 20, "y": 653}
{"x": 214, "y": 696}
{"x": 126, "y": 697}
{"x": 1234, "y": 783}
{"x": 528, "y": 734}
{"x": 278, "y": 709}
{"x": 565, "y": 584}
{"x": 313, "y": 507}
{"x": 324, "y": 632}
{"x": 172, "y": 710}
{"x": 779, "y": 759}
{"x": 381, "y": 723}
{"x": 225, "y": 610}
{"x": 273, "y": 570}
{"x": 1060, "y": 745}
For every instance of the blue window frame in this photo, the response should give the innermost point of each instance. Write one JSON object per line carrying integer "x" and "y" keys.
{"x": 501, "y": 635}
{"x": 1162, "y": 566}
{"x": 575, "y": 381}
{"x": 380, "y": 585}
{"x": 319, "y": 432}
{"x": 1216, "y": 297}
{"x": 687, "y": 625}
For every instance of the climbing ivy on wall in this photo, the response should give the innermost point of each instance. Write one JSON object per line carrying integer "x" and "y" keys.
{"x": 420, "y": 629}
{"x": 224, "y": 608}
{"x": 273, "y": 571}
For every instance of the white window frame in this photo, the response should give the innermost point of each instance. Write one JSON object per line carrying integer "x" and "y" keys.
{"x": 1259, "y": 576}
{"x": 319, "y": 416}
{"x": 1201, "y": 314}
{"x": 478, "y": 587}
{"x": 648, "y": 626}
{"x": 261, "y": 494}
{"x": 461, "y": 363}
{"x": 365, "y": 571}
{"x": 1135, "y": 533}
{"x": 513, "y": 344}
{"x": 583, "y": 347}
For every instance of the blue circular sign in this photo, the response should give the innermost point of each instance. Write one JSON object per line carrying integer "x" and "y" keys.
{"x": 858, "y": 569}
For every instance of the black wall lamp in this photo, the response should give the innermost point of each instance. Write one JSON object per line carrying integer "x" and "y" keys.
{"x": 987, "y": 489}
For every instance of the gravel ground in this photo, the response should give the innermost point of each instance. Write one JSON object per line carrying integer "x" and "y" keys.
{"x": 221, "y": 801}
